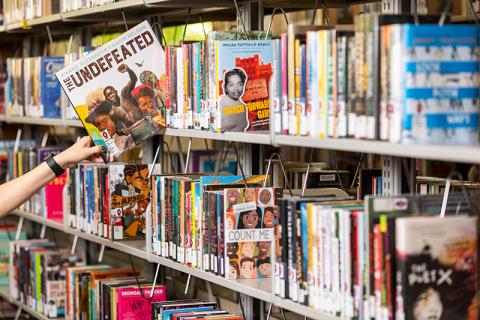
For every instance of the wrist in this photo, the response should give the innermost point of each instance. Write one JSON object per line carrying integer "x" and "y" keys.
{"x": 62, "y": 161}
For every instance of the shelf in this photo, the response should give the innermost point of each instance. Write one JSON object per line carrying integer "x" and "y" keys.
{"x": 258, "y": 288}
{"x": 43, "y": 121}
{"x": 262, "y": 137}
{"x": 5, "y": 294}
{"x": 132, "y": 247}
{"x": 306, "y": 311}
{"x": 455, "y": 153}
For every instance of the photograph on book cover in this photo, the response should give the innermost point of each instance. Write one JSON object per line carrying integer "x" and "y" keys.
{"x": 244, "y": 70}
{"x": 118, "y": 90}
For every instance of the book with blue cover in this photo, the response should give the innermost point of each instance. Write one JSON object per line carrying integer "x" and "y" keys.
{"x": 50, "y": 88}
{"x": 434, "y": 79}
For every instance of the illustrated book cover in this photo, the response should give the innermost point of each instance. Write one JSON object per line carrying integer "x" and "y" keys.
{"x": 116, "y": 92}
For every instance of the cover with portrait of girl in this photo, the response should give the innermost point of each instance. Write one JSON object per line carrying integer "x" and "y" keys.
{"x": 437, "y": 268}
{"x": 118, "y": 90}
{"x": 243, "y": 72}
{"x": 249, "y": 221}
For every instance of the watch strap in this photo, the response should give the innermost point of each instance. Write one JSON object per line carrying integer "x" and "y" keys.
{"x": 54, "y": 166}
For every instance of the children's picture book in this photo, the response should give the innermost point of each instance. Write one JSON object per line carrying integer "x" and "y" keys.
{"x": 436, "y": 267}
{"x": 249, "y": 221}
{"x": 243, "y": 72}
{"x": 116, "y": 90}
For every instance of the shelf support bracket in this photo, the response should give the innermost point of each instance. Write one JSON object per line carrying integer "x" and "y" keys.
{"x": 19, "y": 228}
{"x": 100, "y": 255}
{"x": 74, "y": 244}
{"x": 42, "y": 231}
{"x": 19, "y": 311}
{"x": 155, "y": 280}
{"x": 211, "y": 296}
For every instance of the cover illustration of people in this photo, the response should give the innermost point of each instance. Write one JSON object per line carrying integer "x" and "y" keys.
{"x": 116, "y": 90}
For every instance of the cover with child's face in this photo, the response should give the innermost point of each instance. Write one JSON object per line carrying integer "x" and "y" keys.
{"x": 116, "y": 90}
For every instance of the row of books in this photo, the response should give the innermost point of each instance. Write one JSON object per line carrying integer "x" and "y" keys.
{"x": 378, "y": 259}
{"x": 383, "y": 80}
{"x": 17, "y": 11}
{"x": 71, "y": 5}
{"x": 16, "y": 160}
{"x": 189, "y": 310}
{"x": 214, "y": 223}
{"x": 37, "y": 274}
{"x": 101, "y": 292}
{"x": 68, "y": 110}
{"x": 32, "y": 88}
{"x": 108, "y": 201}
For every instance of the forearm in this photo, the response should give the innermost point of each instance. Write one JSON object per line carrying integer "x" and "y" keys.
{"x": 17, "y": 191}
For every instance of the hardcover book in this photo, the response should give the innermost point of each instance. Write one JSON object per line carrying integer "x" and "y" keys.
{"x": 116, "y": 91}
{"x": 243, "y": 71}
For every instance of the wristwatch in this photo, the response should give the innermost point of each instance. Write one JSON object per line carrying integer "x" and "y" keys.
{"x": 54, "y": 166}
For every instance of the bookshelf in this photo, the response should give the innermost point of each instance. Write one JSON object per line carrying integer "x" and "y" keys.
{"x": 257, "y": 289}
{"x": 4, "y": 293}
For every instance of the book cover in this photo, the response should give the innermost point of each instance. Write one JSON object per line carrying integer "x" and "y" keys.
{"x": 129, "y": 200}
{"x": 51, "y": 194}
{"x": 116, "y": 92}
{"x": 132, "y": 306}
{"x": 50, "y": 89}
{"x": 249, "y": 221}
{"x": 243, "y": 71}
{"x": 436, "y": 267}
{"x": 438, "y": 101}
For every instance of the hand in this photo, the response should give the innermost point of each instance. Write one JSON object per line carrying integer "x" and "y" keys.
{"x": 81, "y": 150}
{"x": 122, "y": 68}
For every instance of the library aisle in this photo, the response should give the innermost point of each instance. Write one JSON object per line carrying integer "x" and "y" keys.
{"x": 239, "y": 159}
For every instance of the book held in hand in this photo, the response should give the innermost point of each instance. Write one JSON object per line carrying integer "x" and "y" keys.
{"x": 116, "y": 91}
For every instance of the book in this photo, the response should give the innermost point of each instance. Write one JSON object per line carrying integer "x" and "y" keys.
{"x": 129, "y": 200}
{"x": 116, "y": 91}
{"x": 242, "y": 76}
{"x": 436, "y": 267}
{"x": 131, "y": 304}
{"x": 249, "y": 221}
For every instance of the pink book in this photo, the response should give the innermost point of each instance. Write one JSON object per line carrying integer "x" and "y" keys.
{"x": 131, "y": 305}
{"x": 51, "y": 194}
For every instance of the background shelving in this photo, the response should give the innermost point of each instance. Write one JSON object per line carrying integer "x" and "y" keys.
{"x": 4, "y": 293}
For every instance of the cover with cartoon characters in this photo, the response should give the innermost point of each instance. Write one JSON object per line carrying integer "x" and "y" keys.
{"x": 249, "y": 221}
{"x": 129, "y": 200}
{"x": 116, "y": 90}
{"x": 437, "y": 268}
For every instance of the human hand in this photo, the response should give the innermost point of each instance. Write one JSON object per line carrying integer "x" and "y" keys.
{"x": 81, "y": 150}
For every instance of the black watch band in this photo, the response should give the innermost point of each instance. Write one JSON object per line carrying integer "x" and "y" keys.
{"x": 54, "y": 166}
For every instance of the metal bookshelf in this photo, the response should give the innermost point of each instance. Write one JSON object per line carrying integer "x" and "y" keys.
{"x": 4, "y": 293}
{"x": 261, "y": 137}
{"x": 455, "y": 153}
